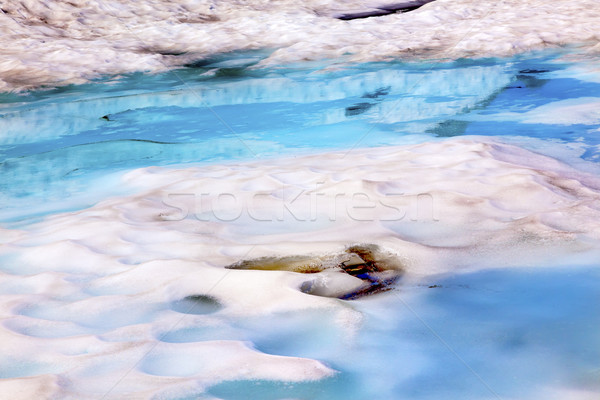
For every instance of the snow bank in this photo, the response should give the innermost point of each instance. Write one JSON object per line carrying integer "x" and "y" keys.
{"x": 62, "y": 42}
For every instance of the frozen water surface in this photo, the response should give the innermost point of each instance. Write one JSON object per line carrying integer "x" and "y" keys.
{"x": 112, "y": 275}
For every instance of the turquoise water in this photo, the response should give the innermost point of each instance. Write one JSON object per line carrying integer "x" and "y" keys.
{"x": 511, "y": 333}
{"x": 61, "y": 147}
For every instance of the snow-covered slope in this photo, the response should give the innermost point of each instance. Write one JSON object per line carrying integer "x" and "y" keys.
{"x": 60, "y": 42}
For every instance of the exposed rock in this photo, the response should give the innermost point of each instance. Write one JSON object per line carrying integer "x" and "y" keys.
{"x": 360, "y": 271}
{"x": 385, "y": 10}
{"x": 302, "y": 264}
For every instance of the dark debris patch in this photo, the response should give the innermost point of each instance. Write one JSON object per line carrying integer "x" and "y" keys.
{"x": 360, "y": 108}
{"x": 377, "y": 269}
{"x": 357, "y": 109}
{"x": 382, "y": 91}
{"x": 533, "y": 71}
{"x": 449, "y": 128}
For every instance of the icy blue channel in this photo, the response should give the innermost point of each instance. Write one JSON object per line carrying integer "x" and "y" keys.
{"x": 59, "y": 148}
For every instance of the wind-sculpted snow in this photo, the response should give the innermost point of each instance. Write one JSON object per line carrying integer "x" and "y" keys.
{"x": 61, "y": 42}
{"x": 131, "y": 299}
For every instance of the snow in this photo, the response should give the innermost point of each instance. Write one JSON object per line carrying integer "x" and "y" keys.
{"x": 59, "y": 42}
